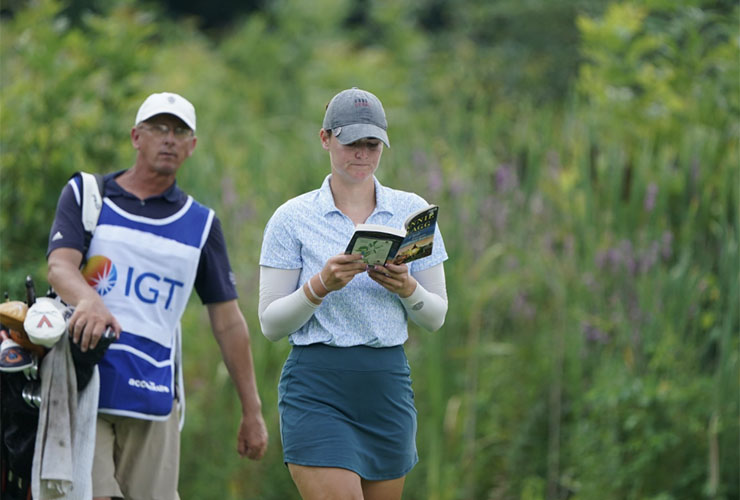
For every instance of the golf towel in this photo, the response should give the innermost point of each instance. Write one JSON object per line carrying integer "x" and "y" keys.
{"x": 65, "y": 439}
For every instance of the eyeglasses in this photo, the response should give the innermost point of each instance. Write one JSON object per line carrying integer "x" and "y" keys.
{"x": 163, "y": 130}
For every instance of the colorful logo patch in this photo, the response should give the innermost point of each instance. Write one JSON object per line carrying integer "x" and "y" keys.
{"x": 100, "y": 273}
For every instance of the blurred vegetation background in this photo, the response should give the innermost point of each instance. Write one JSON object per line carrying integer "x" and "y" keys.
{"x": 585, "y": 157}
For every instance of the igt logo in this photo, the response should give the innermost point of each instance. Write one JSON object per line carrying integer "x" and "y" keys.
{"x": 147, "y": 287}
{"x": 101, "y": 274}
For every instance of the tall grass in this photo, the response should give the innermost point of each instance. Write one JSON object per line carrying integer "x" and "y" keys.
{"x": 591, "y": 344}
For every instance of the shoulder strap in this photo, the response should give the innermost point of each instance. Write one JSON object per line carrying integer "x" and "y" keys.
{"x": 92, "y": 203}
{"x": 91, "y": 199}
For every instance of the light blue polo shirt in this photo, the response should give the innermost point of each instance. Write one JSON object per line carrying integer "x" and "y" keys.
{"x": 307, "y": 230}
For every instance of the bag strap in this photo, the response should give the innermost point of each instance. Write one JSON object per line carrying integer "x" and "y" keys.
{"x": 92, "y": 203}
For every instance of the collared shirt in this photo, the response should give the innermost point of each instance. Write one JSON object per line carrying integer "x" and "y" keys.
{"x": 306, "y": 231}
{"x": 214, "y": 281}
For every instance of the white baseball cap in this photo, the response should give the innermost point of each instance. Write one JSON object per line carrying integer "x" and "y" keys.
{"x": 167, "y": 102}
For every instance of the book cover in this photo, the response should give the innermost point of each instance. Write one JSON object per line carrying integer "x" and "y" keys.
{"x": 419, "y": 238}
{"x": 380, "y": 244}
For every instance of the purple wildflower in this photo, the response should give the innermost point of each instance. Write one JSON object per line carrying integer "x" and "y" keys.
{"x": 666, "y": 245}
{"x": 521, "y": 307}
{"x": 457, "y": 187}
{"x": 594, "y": 335}
{"x": 422, "y": 163}
{"x": 434, "y": 181}
{"x": 228, "y": 193}
{"x": 419, "y": 159}
{"x": 649, "y": 257}
{"x": 512, "y": 263}
{"x": 589, "y": 281}
{"x": 614, "y": 259}
{"x": 247, "y": 211}
{"x": 506, "y": 179}
{"x": 501, "y": 217}
{"x": 488, "y": 206}
{"x": 627, "y": 256}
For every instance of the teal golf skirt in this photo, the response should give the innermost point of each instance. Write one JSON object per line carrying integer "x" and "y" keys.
{"x": 348, "y": 407}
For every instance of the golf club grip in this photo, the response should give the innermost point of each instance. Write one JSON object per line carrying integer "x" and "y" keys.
{"x": 30, "y": 291}
{"x": 108, "y": 337}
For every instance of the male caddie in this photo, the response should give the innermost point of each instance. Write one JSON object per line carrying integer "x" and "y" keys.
{"x": 152, "y": 245}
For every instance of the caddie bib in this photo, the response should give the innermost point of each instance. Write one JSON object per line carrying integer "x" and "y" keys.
{"x": 144, "y": 270}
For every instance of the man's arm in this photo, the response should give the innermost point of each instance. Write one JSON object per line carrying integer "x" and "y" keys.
{"x": 91, "y": 317}
{"x": 231, "y": 332}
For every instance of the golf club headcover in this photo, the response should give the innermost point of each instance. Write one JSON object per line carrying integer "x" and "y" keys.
{"x": 45, "y": 322}
{"x": 22, "y": 339}
{"x": 13, "y": 313}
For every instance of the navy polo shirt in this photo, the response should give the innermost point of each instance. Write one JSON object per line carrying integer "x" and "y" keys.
{"x": 214, "y": 281}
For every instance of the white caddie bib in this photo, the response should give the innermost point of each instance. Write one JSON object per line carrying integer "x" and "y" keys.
{"x": 144, "y": 270}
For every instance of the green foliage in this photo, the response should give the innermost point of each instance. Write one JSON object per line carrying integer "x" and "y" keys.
{"x": 591, "y": 344}
{"x": 657, "y": 65}
{"x": 63, "y": 101}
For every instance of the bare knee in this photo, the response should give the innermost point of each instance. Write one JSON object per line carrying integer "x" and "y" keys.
{"x": 383, "y": 490}
{"x": 326, "y": 483}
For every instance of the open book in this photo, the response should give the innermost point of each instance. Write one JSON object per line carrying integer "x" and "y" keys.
{"x": 379, "y": 244}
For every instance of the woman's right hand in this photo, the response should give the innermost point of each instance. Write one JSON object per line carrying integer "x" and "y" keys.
{"x": 339, "y": 270}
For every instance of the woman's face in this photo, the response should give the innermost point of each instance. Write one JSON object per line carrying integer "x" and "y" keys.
{"x": 355, "y": 162}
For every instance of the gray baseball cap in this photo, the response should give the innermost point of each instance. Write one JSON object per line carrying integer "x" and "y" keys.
{"x": 355, "y": 114}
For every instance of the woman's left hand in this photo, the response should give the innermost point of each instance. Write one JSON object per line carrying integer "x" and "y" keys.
{"x": 394, "y": 278}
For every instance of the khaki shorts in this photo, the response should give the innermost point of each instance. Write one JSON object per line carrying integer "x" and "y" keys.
{"x": 136, "y": 459}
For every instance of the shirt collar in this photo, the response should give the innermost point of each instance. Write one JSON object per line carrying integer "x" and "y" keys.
{"x": 326, "y": 199}
{"x": 382, "y": 198}
{"x": 172, "y": 194}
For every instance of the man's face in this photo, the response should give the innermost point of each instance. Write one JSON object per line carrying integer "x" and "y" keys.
{"x": 164, "y": 142}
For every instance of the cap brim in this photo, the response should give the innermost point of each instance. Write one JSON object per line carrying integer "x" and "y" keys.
{"x": 144, "y": 117}
{"x": 352, "y": 133}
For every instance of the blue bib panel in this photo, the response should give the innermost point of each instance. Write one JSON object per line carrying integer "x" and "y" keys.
{"x": 144, "y": 269}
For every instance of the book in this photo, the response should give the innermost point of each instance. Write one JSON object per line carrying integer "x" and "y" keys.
{"x": 379, "y": 244}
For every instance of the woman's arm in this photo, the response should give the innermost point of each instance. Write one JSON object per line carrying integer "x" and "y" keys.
{"x": 283, "y": 307}
{"x": 423, "y": 295}
{"x": 427, "y": 305}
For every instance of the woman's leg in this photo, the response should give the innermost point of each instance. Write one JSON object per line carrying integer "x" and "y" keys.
{"x": 383, "y": 490}
{"x": 326, "y": 483}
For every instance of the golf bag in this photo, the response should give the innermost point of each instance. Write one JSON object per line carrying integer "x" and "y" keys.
{"x": 20, "y": 378}
{"x": 20, "y": 401}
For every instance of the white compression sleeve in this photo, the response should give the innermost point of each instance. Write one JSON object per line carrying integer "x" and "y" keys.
{"x": 427, "y": 306}
{"x": 283, "y": 307}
